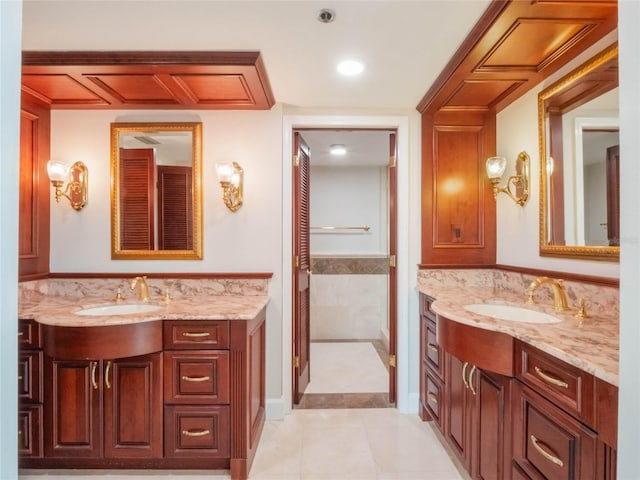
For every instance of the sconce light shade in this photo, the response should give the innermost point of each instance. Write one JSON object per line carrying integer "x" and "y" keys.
{"x": 57, "y": 171}
{"x": 520, "y": 181}
{"x": 76, "y": 189}
{"x": 231, "y": 177}
{"x": 496, "y": 167}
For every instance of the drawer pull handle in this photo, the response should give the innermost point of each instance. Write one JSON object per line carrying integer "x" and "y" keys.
{"x": 106, "y": 375}
{"x": 195, "y": 334}
{"x": 20, "y": 334}
{"x": 433, "y": 348}
{"x": 195, "y": 433}
{"x": 196, "y": 379}
{"x": 549, "y": 379}
{"x": 19, "y": 432}
{"x": 464, "y": 374}
{"x": 433, "y": 398}
{"x": 473, "y": 370}
{"x": 94, "y": 384}
{"x": 19, "y": 377}
{"x": 544, "y": 453}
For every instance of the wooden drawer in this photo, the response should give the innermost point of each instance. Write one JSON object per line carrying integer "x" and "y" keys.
{"x": 196, "y": 431}
{"x": 548, "y": 443}
{"x": 196, "y": 377}
{"x": 30, "y": 430}
{"x": 30, "y": 376}
{"x": 433, "y": 397}
{"x": 198, "y": 334}
{"x": 29, "y": 334}
{"x": 434, "y": 353}
{"x": 565, "y": 385}
{"x": 425, "y": 307}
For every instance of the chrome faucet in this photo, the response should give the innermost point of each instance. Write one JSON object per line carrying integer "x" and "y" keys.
{"x": 559, "y": 295}
{"x": 143, "y": 288}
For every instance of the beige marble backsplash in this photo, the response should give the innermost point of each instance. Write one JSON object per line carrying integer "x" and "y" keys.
{"x": 598, "y": 298}
{"x": 107, "y": 287}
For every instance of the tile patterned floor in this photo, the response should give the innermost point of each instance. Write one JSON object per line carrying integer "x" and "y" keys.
{"x": 356, "y": 444}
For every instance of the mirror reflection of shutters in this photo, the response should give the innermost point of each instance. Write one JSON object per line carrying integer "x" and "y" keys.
{"x": 175, "y": 226}
{"x": 137, "y": 166}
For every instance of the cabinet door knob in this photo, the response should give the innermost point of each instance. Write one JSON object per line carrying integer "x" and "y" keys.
{"x": 538, "y": 446}
{"x": 549, "y": 379}
{"x": 195, "y": 433}
{"x": 195, "y": 379}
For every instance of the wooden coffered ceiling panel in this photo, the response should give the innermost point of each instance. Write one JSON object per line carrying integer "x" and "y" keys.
{"x": 148, "y": 80}
{"x": 512, "y": 48}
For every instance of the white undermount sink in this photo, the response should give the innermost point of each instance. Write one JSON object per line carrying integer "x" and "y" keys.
{"x": 119, "y": 309}
{"x": 511, "y": 313}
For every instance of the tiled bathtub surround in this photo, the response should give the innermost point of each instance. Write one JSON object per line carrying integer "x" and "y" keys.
{"x": 348, "y": 297}
{"x": 341, "y": 265}
{"x": 591, "y": 344}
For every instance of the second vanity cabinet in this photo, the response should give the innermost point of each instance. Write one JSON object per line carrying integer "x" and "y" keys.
{"x": 511, "y": 411}
{"x": 190, "y": 396}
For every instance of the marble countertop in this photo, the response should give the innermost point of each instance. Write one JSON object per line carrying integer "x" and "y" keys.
{"x": 59, "y": 310}
{"x": 591, "y": 344}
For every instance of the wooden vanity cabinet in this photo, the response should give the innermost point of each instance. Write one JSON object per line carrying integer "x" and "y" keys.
{"x": 103, "y": 408}
{"x": 432, "y": 360}
{"x": 30, "y": 389}
{"x": 477, "y": 422}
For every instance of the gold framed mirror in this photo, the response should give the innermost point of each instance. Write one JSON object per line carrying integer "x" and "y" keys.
{"x": 156, "y": 191}
{"x": 579, "y": 162}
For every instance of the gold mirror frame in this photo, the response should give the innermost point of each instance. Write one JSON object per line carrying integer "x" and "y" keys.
{"x": 567, "y": 251}
{"x": 117, "y": 253}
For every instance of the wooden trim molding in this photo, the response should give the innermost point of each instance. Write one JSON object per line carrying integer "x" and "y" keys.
{"x": 184, "y": 275}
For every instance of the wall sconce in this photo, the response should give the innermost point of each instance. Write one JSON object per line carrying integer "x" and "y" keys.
{"x": 231, "y": 177}
{"x": 76, "y": 176}
{"x": 520, "y": 181}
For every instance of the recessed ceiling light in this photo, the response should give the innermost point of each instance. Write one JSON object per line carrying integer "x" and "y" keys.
{"x": 338, "y": 149}
{"x": 350, "y": 67}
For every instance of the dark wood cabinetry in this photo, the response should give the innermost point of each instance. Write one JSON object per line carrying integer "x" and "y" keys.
{"x": 104, "y": 408}
{"x": 538, "y": 418}
{"x": 30, "y": 389}
{"x": 195, "y": 399}
{"x": 33, "y": 247}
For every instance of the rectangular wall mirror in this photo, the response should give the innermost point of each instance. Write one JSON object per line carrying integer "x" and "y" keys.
{"x": 580, "y": 162}
{"x": 156, "y": 195}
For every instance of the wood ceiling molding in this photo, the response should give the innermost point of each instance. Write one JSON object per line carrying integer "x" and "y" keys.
{"x": 519, "y": 44}
{"x": 148, "y": 80}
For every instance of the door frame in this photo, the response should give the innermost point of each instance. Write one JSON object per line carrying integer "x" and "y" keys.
{"x": 401, "y": 125}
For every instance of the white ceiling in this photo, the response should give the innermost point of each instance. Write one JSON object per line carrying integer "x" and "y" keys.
{"x": 403, "y": 44}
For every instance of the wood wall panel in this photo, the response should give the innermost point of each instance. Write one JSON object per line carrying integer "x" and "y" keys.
{"x": 34, "y": 200}
{"x": 458, "y": 206}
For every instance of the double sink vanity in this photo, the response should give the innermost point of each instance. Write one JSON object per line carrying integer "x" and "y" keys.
{"x": 168, "y": 381}
{"x": 517, "y": 390}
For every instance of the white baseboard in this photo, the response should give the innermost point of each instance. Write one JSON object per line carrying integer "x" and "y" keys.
{"x": 274, "y": 408}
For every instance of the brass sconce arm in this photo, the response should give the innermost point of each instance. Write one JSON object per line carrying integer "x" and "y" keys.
{"x": 77, "y": 180}
{"x": 231, "y": 178}
{"x": 519, "y": 181}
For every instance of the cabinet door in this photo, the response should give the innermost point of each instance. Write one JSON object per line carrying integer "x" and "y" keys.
{"x": 458, "y": 409}
{"x": 133, "y": 407}
{"x": 491, "y": 425}
{"x": 72, "y": 408}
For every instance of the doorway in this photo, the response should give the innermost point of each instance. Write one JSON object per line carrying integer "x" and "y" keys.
{"x": 344, "y": 269}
